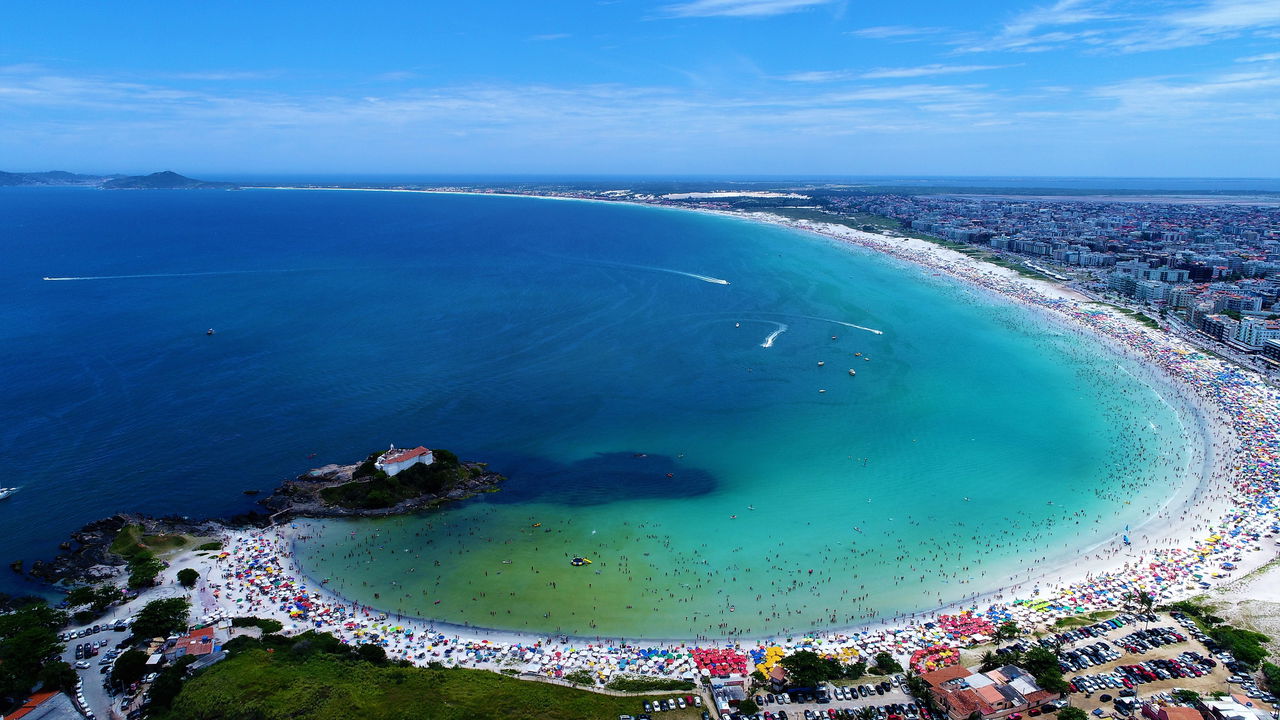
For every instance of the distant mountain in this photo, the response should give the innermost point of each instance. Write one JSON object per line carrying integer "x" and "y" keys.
{"x": 53, "y": 177}
{"x": 166, "y": 180}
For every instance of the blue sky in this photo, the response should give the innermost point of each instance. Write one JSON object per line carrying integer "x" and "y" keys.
{"x": 743, "y": 87}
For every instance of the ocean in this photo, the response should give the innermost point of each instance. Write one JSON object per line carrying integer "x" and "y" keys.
{"x": 669, "y": 394}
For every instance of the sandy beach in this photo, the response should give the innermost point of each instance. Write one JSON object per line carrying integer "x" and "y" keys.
{"x": 1222, "y": 512}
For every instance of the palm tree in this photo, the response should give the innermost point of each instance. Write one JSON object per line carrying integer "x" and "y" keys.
{"x": 865, "y": 713}
{"x": 1007, "y": 631}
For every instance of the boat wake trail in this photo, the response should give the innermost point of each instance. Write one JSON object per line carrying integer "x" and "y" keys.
{"x": 846, "y": 324}
{"x": 166, "y": 275}
{"x": 768, "y": 342}
{"x": 650, "y": 268}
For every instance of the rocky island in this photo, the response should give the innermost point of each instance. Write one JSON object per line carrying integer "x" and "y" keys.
{"x": 392, "y": 482}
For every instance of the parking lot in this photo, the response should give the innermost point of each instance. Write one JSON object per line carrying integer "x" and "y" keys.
{"x": 844, "y": 699}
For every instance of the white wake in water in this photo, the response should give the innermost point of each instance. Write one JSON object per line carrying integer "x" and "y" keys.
{"x": 846, "y": 324}
{"x": 768, "y": 342}
{"x": 166, "y": 275}
{"x": 650, "y": 268}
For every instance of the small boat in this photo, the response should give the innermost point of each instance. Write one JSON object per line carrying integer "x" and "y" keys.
{"x": 821, "y": 363}
{"x": 852, "y": 371}
{"x": 737, "y": 324}
{"x": 1126, "y": 540}
{"x": 857, "y": 354}
{"x": 209, "y": 331}
{"x": 579, "y": 561}
{"x": 6, "y": 492}
{"x": 252, "y": 492}
{"x": 671, "y": 474}
{"x": 751, "y": 507}
{"x": 822, "y": 391}
{"x": 506, "y": 562}
{"x": 537, "y": 524}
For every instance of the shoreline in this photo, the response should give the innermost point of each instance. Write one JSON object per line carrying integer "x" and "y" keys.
{"x": 1211, "y": 424}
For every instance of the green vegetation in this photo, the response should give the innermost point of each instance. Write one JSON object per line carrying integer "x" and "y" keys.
{"x": 161, "y": 618}
{"x": 140, "y": 552}
{"x": 748, "y": 707}
{"x": 1245, "y": 645}
{"x": 94, "y": 601}
{"x": 316, "y": 677}
{"x": 1072, "y": 713}
{"x": 266, "y": 624}
{"x": 28, "y": 639}
{"x": 129, "y": 668}
{"x": 1271, "y": 672}
{"x": 1043, "y": 665}
{"x": 647, "y": 684}
{"x": 1085, "y": 619}
{"x": 807, "y": 668}
{"x": 886, "y": 664}
{"x": 580, "y": 677}
{"x": 1185, "y": 696}
{"x": 187, "y": 577}
{"x": 381, "y": 491}
{"x": 210, "y": 546}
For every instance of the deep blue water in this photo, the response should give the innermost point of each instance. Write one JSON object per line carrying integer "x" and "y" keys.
{"x": 556, "y": 340}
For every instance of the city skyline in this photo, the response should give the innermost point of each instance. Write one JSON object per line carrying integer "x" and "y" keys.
{"x": 1074, "y": 87}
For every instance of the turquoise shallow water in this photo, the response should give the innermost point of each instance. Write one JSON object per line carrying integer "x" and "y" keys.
{"x": 635, "y": 409}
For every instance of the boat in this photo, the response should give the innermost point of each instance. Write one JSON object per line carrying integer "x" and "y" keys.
{"x": 209, "y": 331}
{"x": 537, "y": 524}
{"x": 852, "y": 372}
{"x": 579, "y": 561}
{"x": 6, "y": 492}
{"x": 821, "y": 363}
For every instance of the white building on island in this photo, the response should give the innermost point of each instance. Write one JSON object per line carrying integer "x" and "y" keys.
{"x": 393, "y": 460}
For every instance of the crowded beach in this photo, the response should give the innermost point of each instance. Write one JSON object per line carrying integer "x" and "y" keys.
{"x": 1218, "y": 528}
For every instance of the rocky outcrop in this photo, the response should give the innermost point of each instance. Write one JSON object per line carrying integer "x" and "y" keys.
{"x": 87, "y": 556}
{"x": 301, "y": 497}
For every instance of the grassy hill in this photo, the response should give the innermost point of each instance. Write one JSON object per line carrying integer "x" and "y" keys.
{"x": 311, "y": 680}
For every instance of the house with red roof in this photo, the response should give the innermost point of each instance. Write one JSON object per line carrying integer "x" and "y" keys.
{"x": 994, "y": 694}
{"x": 197, "y": 642}
{"x": 46, "y": 706}
{"x": 394, "y": 461}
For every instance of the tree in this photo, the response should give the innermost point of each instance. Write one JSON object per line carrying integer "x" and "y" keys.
{"x": 1072, "y": 713}
{"x": 886, "y": 663}
{"x": 372, "y": 654}
{"x": 188, "y": 577}
{"x": 1007, "y": 631}
{"x": 990, "y": 661}
{"x": 160, "y": 618}
{"x": 856, "y": 670}
{"x": 129, "y": 668}
{"x": 866, "y": 713}
{"x": 807, "y": 668}
{"x": 28, "y": 639}
{"x": 58, "y": 675}
{"x": 748, "y": 707}
{"x": 1185, "y": 696}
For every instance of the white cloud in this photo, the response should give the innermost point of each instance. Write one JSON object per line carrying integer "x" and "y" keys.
{"x": 818, "y": 76}
{"x": 926, "y": 70}
{"x": 740, "y": 8}
{"x": 895, "y": 32}
{"x": 1265, "y": 57}
{"x": 548, "y": 37}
